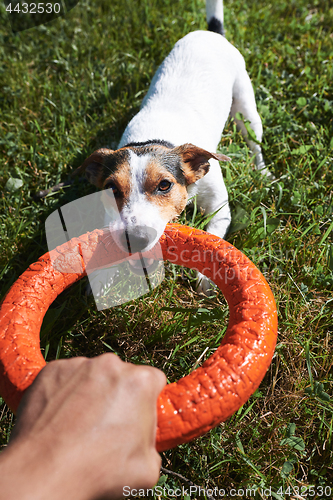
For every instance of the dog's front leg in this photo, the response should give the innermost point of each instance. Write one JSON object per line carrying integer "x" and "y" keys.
{"x": 213, "y": 198}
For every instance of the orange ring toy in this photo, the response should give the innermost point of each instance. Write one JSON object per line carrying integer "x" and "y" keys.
{"x": 201, "y": 400}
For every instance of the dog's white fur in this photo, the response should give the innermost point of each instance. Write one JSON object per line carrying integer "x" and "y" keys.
{"x": 200, "y": 83}
{"x": 193, "y": 92}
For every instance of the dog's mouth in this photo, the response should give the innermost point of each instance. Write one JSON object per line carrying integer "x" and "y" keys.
{"x": 143, "y": 266}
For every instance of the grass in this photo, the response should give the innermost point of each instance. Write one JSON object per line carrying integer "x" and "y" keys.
{"x": 71, "y": 86}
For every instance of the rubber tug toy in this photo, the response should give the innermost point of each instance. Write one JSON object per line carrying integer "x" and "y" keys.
{"x": 196, "y": 403}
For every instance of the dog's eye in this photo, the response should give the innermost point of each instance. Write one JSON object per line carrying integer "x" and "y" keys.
{"x": 164, "y": 186}
{"x": 111, "y": 185}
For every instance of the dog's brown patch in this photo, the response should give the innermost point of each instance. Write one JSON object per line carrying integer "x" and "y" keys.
{"x": 121, "y": 178}
{"x": 170, "y": 203}
{"x": 195, "y": 164}
{"x": 101, "y": 163}
{"x": 182, "y": 166}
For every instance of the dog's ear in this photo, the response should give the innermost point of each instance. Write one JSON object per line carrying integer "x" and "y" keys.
{"x": 195, "y": 161}
{"x": 95, "y": 166}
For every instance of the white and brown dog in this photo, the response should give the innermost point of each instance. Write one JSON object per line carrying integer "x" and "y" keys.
{"x": 167, "y": 152}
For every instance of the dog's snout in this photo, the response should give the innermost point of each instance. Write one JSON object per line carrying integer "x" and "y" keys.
{"x": 137, "y": 239}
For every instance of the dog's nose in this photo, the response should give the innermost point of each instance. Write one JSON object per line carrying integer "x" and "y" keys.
{"x": 137, "y": 240}
{"x": 134, "y": 243}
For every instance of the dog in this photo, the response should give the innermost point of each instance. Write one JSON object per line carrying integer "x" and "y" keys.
{"x": 167, "y": 153}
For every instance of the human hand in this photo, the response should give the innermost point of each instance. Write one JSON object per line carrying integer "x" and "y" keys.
{"x": 85, "y": 429}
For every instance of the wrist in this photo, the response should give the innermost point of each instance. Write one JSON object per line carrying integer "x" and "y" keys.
{"x": 23, "y": 471}
{"x": 32, "y": 471}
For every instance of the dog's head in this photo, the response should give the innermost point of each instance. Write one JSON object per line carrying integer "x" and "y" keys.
{"x": 148, "y": 184}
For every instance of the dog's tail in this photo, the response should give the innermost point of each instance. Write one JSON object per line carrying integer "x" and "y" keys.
{"x": 214, "y": 12}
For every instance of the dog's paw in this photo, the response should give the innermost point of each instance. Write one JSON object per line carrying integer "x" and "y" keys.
{"x": 101, "y": 280}
{"x": 267, "y": 174}
{"x": 205, "y": 286}
{"x": 264, "y": 171}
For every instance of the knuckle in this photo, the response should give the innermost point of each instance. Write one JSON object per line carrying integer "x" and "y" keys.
{"x": 145, "y": 378}
{"x": 141, "y": 376}
{"x": 109, "y": 364}
{"x": 105, "y": 369}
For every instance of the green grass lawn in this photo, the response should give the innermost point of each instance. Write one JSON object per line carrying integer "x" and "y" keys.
{"x": 71, "y": 86}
